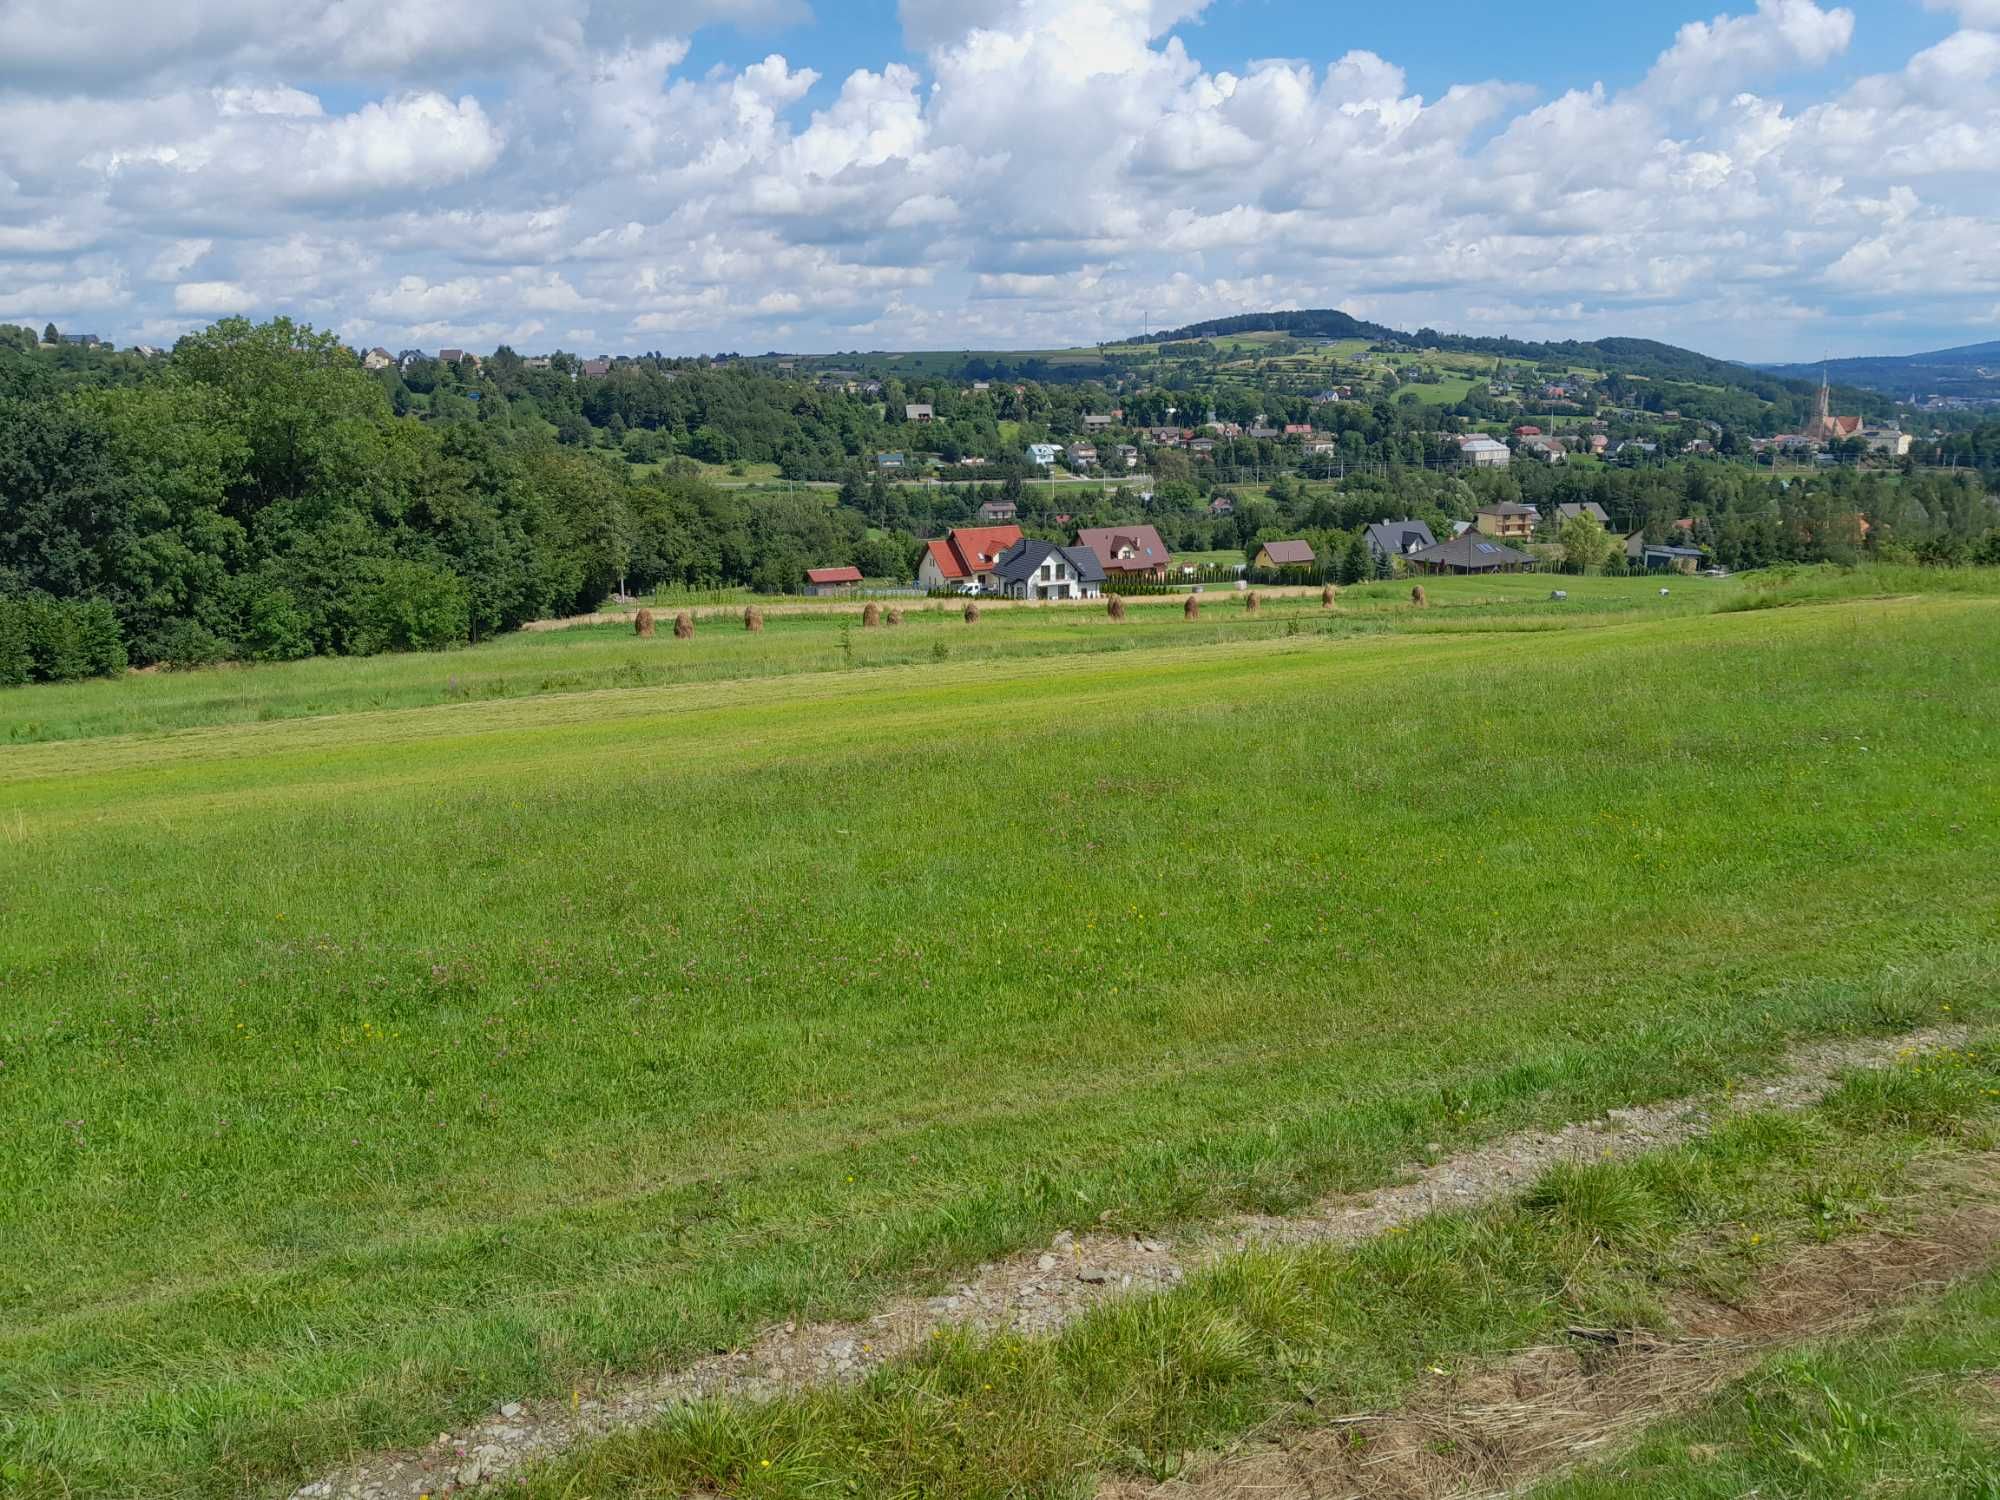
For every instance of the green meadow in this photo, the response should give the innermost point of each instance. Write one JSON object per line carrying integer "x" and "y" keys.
{"x": 382, "y": 1040}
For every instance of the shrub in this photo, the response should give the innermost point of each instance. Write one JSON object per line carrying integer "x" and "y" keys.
{"x": 58, "y": 640}
{"x": 409, "y": 606}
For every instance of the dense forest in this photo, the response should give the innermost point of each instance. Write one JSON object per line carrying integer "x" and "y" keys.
{"x": 259, "y": 494}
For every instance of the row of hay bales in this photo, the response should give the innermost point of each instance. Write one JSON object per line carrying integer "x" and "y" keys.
{"x": 873, "y": 615}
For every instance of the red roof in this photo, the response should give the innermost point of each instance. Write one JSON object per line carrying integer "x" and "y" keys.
{"x": 971, "y": 549}
{"x": 833, "y": 575}
{"x": 1527, "y": 431}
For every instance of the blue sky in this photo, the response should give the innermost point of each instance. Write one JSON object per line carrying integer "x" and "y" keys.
{"x": 1781, "y": 179}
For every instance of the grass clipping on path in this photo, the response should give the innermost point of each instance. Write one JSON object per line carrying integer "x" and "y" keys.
{"x": 1141, "y": 1385}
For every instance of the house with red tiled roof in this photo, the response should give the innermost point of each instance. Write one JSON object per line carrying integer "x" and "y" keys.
{"x": 1127, "y": 551}
{"x": 965, "y": 555}
{"x": 832, "y": 580}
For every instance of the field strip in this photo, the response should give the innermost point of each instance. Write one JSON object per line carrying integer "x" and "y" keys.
{"x": 740, "y": 721}
{"x": 1495, "y": 1428}
{"x": 382, "y": 728}
{"x": 1038, "y": 1292}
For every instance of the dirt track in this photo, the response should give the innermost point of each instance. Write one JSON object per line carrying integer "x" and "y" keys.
{"x": 1038, "y": 1292}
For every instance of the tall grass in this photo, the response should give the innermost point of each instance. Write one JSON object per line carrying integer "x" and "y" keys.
{"x": 364, "y": 1071}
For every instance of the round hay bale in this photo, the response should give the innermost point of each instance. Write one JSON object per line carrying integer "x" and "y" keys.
{"x": 871, "y": 617}
{"x": 753, "y": 618}
{"x": 1251, "y": 603}
{"x": 1326, "y": 597}
{"x": 1419, "y": 598}
{"x": 1192, "y": 609}
{"x": 642, "y": 622}
{"x": 683, "y": 626}
{"x": 895, "y": 617}
{"x": 1116, "y": 608}
{"x": 971, "y": 614}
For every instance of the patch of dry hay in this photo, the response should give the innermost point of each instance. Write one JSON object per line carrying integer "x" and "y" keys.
{"x": 1419, "y": 598}
{"x": 895, "y": 617}
{"x": 1192, "y": 609}
{"x": 753, "y": 618}
{"x": 1116, "y": 608}
{"x": 642, "y": 622}
{"x": 871, "y": 617}
{"x": 683, "y": 626}
{"x": 1326, "y": 596}
{"x": 972, "y": 614}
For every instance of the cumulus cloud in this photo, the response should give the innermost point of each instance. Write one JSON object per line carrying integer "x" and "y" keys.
{"x": 1047, "y": 170}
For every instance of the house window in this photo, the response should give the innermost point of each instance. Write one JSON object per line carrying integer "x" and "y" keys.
{"x": 1046, "y": 575}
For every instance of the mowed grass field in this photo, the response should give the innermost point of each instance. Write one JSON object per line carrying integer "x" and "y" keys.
{"x": 363, "y": 1070}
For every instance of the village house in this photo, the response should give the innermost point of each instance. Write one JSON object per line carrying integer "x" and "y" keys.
{"x": 1205, "y": 447}
{"x": 888, "y": 460}
{"x": 1479, "y": 451}
{"x": 1510, "y": 522}
{"x": 1548, "y": 449}
{"x": 1298, "y": 429}
{"x": 992, "y": 511}
{"x": 595, "y": 369}
{"x": 1659, "y": 557}
{"x": 917, "y": 413}
{"x": 965, "y": 555}
{"x": 1394, "y": 539}
{"x": 1082, "y": 456}
{"x": 377, "y": 358}
{"x": 1044, "y": 455}
{"x": 1293, "y": 554}
{"x": 1127, "y": 455}
{"x": 1892, "y": 441}
{"x": 824, "y": 581}
{"x": 537, "y": 362}
{"x": 1127, "y": 551}
{"x": 1570, "y": 510}
{"x": 1222, "y": 505}
{"x": 1033, "y": 569}
{"x": 1470, "y": 552}
{"x": 1094, "y": 422}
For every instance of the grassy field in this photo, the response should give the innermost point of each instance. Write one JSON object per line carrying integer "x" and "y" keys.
{"x": 368, "y": 1068}
{"x": 817, "y": 637}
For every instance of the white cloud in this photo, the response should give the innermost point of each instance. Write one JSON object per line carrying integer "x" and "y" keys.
{"x": 1708, "y": 57}
{"x": 1053, "y": 170}
{"x": 211, "y": 297}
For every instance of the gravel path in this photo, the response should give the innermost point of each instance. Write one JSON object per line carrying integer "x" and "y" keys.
{"x": 1039, "y": 1291}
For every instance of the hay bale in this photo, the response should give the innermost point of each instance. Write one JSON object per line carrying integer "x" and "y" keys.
{"x": 1326, "y": 597}
{"x": 1116, "y": 608}
{"x": 895, "y": 617}
{"x": 1251, "y": 603}
{"x": 871, "y": 617}
{"x": 1419, "y": 598}
{"x": 642, "y": 622}
{"x": 1192, "y": 609}
{"x": 683, "y": 626}
{"x": 753, "y": 618}
{"x": 971, "y": 614}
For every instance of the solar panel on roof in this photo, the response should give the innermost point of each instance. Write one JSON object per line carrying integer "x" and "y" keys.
{"x": 1486, "y": 547}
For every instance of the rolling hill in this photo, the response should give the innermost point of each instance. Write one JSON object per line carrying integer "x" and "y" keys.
{"x": 1969, "y": 370}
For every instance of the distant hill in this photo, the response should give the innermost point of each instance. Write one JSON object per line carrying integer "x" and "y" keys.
{"x": 1646, "y": 358}
{"x": 1970, "y": 370}
{"x": 1312, "y": 323}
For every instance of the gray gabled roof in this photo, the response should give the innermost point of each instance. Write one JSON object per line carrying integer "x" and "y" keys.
{"x": 1400, "y": 537}
{"x": 1472, "y": 549}
{"x": 1020, "y": 562}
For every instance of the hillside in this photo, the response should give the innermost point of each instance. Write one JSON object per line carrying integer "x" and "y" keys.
{"x": 1970, "y": 370}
